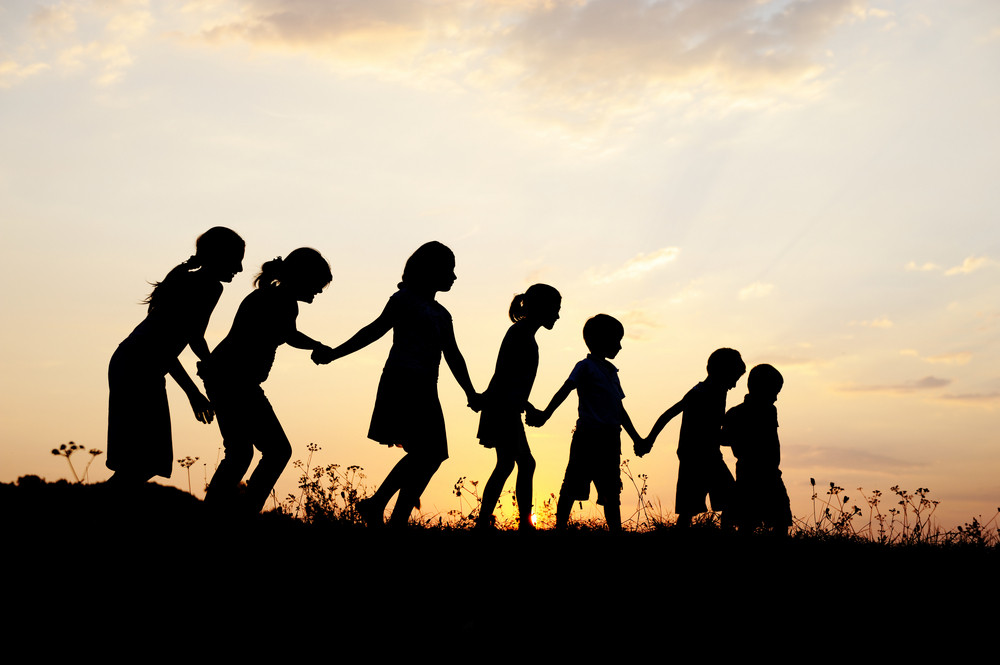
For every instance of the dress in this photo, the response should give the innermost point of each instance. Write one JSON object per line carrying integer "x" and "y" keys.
{"x": 751, "y": 428}
{"x": 507, "y": 395}
{"x": 407, "y": 410}
{"x": 702, "y": 471}
{"x": 595, "y": 452}
{"x": 138, "y": 415}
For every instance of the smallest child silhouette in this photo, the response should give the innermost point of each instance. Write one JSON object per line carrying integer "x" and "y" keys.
{"x": 595, "y": 451}
{"x": 702, "y": 471}
{"x": 751, "y": 428}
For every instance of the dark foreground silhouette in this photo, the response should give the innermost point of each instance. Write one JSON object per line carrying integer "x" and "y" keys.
{"x": 81, "y": 565}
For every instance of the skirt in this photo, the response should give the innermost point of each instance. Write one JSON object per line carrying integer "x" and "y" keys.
{"x": 408, "y": 414}
{"x": 138, "y": 417}
{"x": 499, "y": 427}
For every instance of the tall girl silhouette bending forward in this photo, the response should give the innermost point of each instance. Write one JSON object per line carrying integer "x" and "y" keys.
{"x": 500, "y": 425}
{"x": 139, "y": 443}
{"x": 242, "y": 361}
{"x": 407, "y": 411}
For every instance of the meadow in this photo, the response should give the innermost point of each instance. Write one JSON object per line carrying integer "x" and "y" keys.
{"x": 875, "y": 566}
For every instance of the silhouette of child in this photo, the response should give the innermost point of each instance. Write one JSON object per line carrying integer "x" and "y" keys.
{"x": 751, "y": 428}
{"x": 139, "y": 443}
{"x": 243, "y": 360}
{"x": 596, "y": 446}
{"x": 407, "y": 410}
{"x": 702, "y": 471}
{"x": 506, "y": 398}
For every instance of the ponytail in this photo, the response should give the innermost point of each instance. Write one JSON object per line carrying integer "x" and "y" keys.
{"x": 536, "y": 300}
{"x": 270, "y": 274}
{"x": 517, "y": 309}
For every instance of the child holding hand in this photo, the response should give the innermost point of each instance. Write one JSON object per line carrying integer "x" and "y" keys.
{"x": 702, "y": 471}
{"x": 595, "y": 450}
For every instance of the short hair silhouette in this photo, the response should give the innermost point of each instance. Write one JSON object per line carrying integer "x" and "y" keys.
{"x": 765, "y": 379}
{"x": 601, "y": 328}
{"x": 726, "y": 362}
{"x": 304, "y": 265}
{"x": 425, "y": 265}
{"x": 537, "y": 299}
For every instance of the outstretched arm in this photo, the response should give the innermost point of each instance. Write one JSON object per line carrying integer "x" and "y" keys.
{"x": 456, "y": 363}
{"x": 199, "y": 403}
{"x": 373, "y": 332}
{"x": 554, "y": 403}
{"x": 630, "y": 428}
{"x": 661, "y": 422}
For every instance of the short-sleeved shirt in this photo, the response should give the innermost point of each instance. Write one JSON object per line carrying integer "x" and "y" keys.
{"x": 599, "y": 391}
{"x": 419, "y": 328}
{"x": 701, "y": 426}
{"x": 264, "y": 321}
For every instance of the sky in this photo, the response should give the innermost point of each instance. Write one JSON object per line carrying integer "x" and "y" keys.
{"x": 812, "y": 182}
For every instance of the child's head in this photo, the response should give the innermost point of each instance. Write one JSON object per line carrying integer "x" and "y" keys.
{"x": 603, "y": 335}
{"x": 765, "y": 382}
{"x": 304, "y": 272}
{"x": 726, "y": 367}
{"x": 431, "y": 267}
{"x": 539, "y": 303}
{"x": 219, "y": 251}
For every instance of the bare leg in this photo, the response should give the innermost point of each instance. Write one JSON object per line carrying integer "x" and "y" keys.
{"x": 494, "y": 487}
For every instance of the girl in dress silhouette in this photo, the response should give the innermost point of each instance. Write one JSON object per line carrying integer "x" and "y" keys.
{"x": 242, "y": 361}
{"x": 407, "y": 411}
{"x": 506, "y": 398}
{"x": 139, "y": 443}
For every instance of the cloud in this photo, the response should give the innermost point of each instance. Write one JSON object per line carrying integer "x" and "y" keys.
{"x": 841, "y": 459}
{"x": 755, "y": 290}
{"x": 926, "y": 383}
{"x": 959, "y": 358}
{"x": 12, "y": 73}
{"x": 637, "y": 323}
{"x": 637, "y": 266}
{"x": 971, "y": 264}
{"x": 978, "y": 398}
{"x": 76, "y": 36}
{"x": 596, "y": 56}
{"x": 882, "y": 322}
{"x": 923, "y": 267}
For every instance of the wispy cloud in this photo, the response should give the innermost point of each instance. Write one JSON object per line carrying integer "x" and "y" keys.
{"x": 959, "y": 358}
{"x": 636, "y": 267}
{"x": 926, "y": 383}
{"x": 830, "y": 458}
{"x": 974, "y": 398}
{"x": 881, "y": 322}
{"x": 913, "y": 266}
{"x": 971, "y": 264}
{"x": 600, "y": 56}
{"x": 755, "y": 290}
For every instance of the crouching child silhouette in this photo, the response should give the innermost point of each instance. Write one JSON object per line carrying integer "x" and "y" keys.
{"x": 702, "y": 471}
{"x": 751, "y": 428}
{"x": 595, "y": 450}
{"x": 242, "y": 361}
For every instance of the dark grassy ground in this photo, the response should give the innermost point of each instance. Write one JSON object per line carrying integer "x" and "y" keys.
{"x": 88, "y": 563}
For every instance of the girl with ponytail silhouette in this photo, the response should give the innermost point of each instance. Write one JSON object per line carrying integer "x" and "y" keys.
{"x": 242, "y": 361}
{"x": 139, "y": 442}
{"x": 506, "y": 398}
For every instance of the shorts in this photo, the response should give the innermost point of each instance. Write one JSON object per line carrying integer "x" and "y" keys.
{"x": 594, "y": 457}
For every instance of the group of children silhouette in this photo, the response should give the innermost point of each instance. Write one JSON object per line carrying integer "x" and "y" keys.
{"x": 407, "y": 411}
